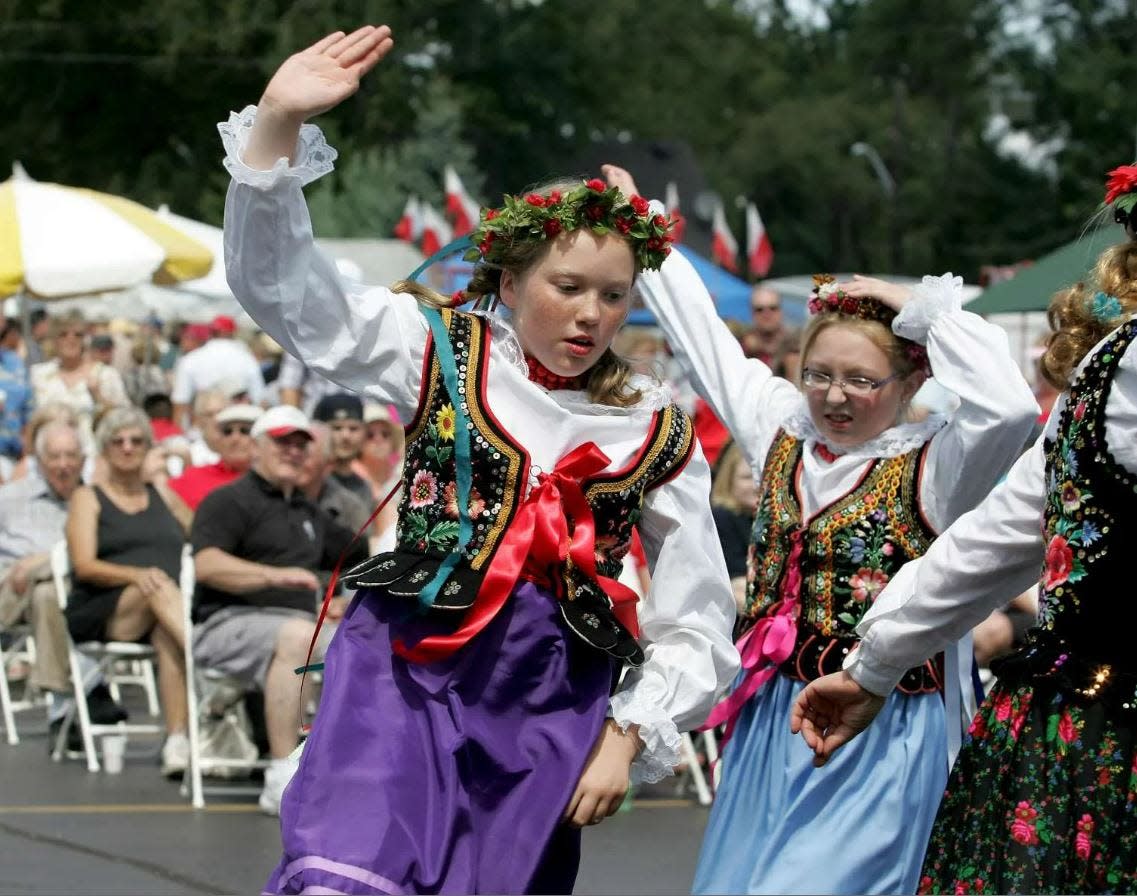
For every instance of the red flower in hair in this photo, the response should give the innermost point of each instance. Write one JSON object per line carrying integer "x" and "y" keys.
{"x": 1122, "y": 180}
{"x": 597, "y": 185}
{"x": 595, "y": 212}
{"x": 624, "y": 224}
{"x": 656, "y": 243}
{"x": 536, "y": 199}
{"x": 485, "y": 245}
{"x": 660, "y": 222}
{"x": 554, "y": 197}
{"x": 552, "y": 227}
{"x": 491, "y": 214}
{"x": 849, "y": 305}
{"x": 639, "y": 205}
{"x": 459, "y": 297}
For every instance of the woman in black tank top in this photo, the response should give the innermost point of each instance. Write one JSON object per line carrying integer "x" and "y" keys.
{"x": 126, "y": 545}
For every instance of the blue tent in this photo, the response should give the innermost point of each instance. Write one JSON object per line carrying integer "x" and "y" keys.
{"x": 731, "y": 294}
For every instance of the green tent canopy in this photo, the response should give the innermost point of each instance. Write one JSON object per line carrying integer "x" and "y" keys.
{"x": 1032, "y": 288}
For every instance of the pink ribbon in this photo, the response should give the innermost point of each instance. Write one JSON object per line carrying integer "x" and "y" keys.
{"x": 765, "y": 646}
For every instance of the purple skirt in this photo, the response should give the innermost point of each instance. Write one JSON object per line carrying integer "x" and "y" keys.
{"x": 448, "y": 777}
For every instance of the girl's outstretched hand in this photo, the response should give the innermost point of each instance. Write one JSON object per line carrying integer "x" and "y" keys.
{"x": 831, "y": 711}
{"x": 893, "y": 295}
{"x": 327, "y": 73}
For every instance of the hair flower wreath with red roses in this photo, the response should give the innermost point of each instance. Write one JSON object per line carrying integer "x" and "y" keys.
{"x": 595, "y": 205}
{"x": 827, "y": 298}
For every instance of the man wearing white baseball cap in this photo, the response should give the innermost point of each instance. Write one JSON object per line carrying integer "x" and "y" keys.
{"x": 258, "y": 543}
{"x": 235, "y": 444}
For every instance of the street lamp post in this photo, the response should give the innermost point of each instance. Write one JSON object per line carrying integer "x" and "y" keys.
{"x": 888, "y": 185}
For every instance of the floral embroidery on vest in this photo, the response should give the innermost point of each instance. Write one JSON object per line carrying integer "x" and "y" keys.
{"x": 852, "y": 548}
{"x": 1084, "y": 638}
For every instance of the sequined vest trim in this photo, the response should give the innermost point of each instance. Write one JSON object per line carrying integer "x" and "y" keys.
{"x": 850, "y": 551}
{"x": 1084, "y": 641}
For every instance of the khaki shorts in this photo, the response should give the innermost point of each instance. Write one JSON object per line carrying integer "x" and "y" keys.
{"x": 240, "y": 641}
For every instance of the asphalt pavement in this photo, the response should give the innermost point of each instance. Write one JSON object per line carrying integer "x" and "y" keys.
{"x": 65, "y": 830}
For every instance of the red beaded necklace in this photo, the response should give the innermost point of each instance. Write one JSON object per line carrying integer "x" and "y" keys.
{"x": 542, "y": 376}
{"x": 823, "y": 452}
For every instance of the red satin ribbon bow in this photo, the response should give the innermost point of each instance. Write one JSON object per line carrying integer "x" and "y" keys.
{"x": 764, "y": 647}
{"x": 539, "y": 545}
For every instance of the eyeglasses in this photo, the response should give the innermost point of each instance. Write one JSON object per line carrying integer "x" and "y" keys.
{"x": 229, "y": 428}
{"x": 123, "y": 441}
{"x": 856, "y": 386}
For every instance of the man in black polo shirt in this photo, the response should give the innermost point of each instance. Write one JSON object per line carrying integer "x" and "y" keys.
{"x": 257, "y": 543}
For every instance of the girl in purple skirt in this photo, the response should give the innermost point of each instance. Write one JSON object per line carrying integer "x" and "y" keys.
{"x": 492, "y": 688}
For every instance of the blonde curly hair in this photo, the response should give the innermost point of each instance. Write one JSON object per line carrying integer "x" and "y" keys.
{"x": 1077, "y": 329}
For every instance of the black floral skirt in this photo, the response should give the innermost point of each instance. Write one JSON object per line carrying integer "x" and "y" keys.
{"x": 1042, "y": 799}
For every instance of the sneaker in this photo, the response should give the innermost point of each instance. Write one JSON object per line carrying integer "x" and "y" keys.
{"x": 277, "y": 776}
{"x": 175, "y": 755}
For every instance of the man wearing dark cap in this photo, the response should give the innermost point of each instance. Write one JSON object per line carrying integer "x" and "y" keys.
{"x": 343, "y": 413}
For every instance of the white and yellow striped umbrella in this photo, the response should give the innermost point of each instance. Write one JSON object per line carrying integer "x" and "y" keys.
{"x": 61, "y": 241}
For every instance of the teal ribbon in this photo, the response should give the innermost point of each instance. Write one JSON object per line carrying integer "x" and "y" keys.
{"x": 451, "y": 248}
{"x": 449, "y": 365}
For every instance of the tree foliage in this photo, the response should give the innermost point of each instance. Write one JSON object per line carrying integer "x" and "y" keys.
{"x": 125, "y": 97}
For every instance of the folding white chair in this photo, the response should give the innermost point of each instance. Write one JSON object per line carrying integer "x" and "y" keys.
{"x": 21, "y": 647}
{"x": 212, "y": 683}
{"x": 703, "y": 791}
{"x": 105, "y": 656}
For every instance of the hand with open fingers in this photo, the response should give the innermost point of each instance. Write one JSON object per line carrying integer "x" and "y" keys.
{"x": 894, "y": 295}
{"x": 831, "y": 711}
{"x": 620, "y": 177}
{"x": 605, "y": 780}
{"x": 327, "y": 73}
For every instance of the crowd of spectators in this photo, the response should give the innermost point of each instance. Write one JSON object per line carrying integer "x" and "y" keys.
{"x": 133, "y": 440}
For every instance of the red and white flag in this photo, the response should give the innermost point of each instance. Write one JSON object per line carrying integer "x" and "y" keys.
{"x": 409, "y": 228}
{"x": 436, "y": 233}
{"x": 759, "y": 249}
{"x": 461, "y": 209}
{"x": 724, "y": 247}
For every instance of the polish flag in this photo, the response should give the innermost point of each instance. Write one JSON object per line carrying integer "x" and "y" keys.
{"x": 436, "y": 233}
{"x": 724, "y": 247}
{"x": 672, "y": 203}
{"x": 460, "y": 208}
{"x": 759, "y": 249}
{"x": 409, "y": 227}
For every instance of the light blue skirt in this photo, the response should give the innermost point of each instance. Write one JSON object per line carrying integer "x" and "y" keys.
{"x": 860, "y": 824}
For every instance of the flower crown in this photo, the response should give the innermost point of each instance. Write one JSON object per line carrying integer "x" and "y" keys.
{"x": 593, "y": 204}
{"x": 1121, "y": 192}
{"x": 826, "y": 298}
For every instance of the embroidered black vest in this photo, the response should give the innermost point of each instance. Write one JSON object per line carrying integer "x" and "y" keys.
{"x": 427, "y": 529}
{"x": 1084, "y": 640}
{"x": 849, "y": 551}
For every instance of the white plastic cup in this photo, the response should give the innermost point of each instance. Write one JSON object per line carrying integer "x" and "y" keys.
{"x": 114, "y": 750}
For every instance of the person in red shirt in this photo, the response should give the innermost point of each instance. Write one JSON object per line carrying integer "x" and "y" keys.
{"x": 234, "y": 423}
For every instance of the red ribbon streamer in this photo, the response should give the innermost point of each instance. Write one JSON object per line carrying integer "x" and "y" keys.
{"x": 539, "y": 545}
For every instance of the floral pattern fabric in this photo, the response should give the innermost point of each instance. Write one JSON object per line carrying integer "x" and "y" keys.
{"x": 1065, "y": 777}
{"x": 1043, "y": 797}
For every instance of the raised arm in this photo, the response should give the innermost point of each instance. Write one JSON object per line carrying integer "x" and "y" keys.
{"x": 685, "y": 620}
{"x": 371, "y": 341}
{"x": 743, "y": 392}
{"x": 971, "y": 358}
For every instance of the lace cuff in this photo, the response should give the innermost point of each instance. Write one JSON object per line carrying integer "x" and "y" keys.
{"x": 661, "y": 738}
{"x": 931, "y": 298}
{"x": 313, "y": 156}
